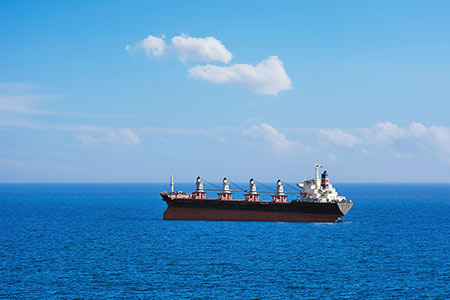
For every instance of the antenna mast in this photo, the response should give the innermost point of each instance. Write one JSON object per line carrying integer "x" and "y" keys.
{"x": 317, "y": 174}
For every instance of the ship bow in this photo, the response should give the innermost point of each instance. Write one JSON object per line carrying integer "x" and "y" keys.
{"x": 344, "y": 207}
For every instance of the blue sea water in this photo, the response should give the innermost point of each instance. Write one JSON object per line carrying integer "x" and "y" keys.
{"x": 95, "y": 241}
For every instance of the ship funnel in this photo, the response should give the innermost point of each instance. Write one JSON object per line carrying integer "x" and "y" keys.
{"x": 171, "y": 183}
{"x": 324, "y": 182}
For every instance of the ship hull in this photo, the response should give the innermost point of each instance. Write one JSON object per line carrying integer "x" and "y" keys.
{"x": 240, "y": 210}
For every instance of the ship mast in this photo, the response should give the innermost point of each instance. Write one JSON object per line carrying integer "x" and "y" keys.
{"x": 199, "y": 185}
{"x": 226, "y": 186}
{"x": 171, "y": 184}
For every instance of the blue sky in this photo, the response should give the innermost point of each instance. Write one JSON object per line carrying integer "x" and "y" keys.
{"x": 257, "y": 89}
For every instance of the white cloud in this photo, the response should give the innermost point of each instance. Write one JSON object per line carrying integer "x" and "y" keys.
{"x": 409, "y": 140}
{"x": 121, "y": 137}
{"x": 384, "y": 132}
{"x": 267, "y": 77}
{"x": 270, "y": 138}
{"x": 339, "y": 138}
{"x": 200, "y": 49}
{"x": 152, "y": 45}
{"x": 185, "y": 47}
{"x": 413, "y": 141}
{"x": 440, "y": 136}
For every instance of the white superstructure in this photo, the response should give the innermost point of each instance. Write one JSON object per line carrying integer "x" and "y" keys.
{"x": 319, "y": 190}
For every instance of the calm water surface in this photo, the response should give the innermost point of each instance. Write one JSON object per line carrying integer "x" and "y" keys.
{"x": 109, "y": 241}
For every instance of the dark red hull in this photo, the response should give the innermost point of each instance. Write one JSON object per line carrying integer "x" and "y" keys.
{"x": 240, "y": 210}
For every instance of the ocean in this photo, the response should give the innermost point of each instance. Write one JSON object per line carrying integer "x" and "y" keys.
{"x": 96, "y": 241}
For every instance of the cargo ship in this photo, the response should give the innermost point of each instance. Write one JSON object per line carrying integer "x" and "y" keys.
{"x": 317, "y": 201}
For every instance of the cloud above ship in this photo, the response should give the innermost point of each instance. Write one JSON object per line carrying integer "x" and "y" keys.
{"x": 151, "y": 45}
{"x": 402, "y": 141}
{"x": 267, "y": 77}
{"x": 185, "y": 47}
{"x": 414, "y": 141}
{"x": 338, "y": 137}
{"x": 415, "y": 138}
{"x": 271, "y": 139}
